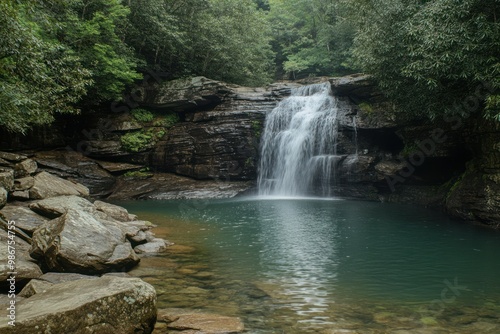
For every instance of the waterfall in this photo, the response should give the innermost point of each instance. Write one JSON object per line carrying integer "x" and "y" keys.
{"x": 299, "y": 143}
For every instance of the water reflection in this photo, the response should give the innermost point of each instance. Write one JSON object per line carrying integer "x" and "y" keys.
{"x": 310, "y": 266}
{"x": 299, "y": 259}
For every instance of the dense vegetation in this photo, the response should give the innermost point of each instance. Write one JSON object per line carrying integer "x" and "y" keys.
{"x": 63, "y": 56}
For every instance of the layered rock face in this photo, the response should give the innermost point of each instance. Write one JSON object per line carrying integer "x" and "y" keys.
{"x": 217, "y": 136}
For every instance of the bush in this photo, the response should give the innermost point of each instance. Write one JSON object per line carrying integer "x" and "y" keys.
{"x": 137, "y": 141}
{"x": 142, "y": 115}
{"x": 144, "y": 173}
{"x": 167, "y": 121}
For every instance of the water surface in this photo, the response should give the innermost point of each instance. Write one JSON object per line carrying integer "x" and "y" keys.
{"x": 315, "y": 266}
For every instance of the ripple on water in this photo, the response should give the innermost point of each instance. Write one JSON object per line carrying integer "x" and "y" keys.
{"x": 284, "y": 269}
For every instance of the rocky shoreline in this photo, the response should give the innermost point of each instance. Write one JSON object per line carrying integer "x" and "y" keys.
{"x": 69, "y": 256}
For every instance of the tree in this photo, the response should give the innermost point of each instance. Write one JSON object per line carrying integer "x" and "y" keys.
{"x": 39, "y": 76}
{"x": 221, "y": 39}
{"x": 95, "y": 30}
{"x": 310, "y": 37}
{"x": 430, "y": 55}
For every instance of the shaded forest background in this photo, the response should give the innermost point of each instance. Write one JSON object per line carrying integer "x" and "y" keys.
{"x": 68, "y": 56}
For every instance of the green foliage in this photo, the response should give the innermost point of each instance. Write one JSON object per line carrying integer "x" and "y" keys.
{"x": 95, "y": 29}
{"x": 138, "y": 141}
{"x": 409, "y": 149}
{"x": 142, "y": 115}
{"x": 142, "y": 140}
{"x": 54, "y": 54}
{"x": 431, "y": 56}
{"x": 220, "y": 39}
{"x": 143, "y": 173}
{"x": 310, "y": 37}
{"x": 169, "y": 120}
{"x": 60, "y": 56}
{"x": 257, "y": 128}
{"x": 366, "y": 107}
{"x": 249, "y": 163}
{"x": 39, "y": 76}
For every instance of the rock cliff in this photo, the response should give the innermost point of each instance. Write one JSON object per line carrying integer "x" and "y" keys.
{"x": 209, "y": 131}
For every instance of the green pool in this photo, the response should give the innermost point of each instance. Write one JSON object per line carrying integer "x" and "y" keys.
{"x": 325, "y": 266}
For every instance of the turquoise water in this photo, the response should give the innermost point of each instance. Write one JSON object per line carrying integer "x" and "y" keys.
{"x": 311, "y": 265}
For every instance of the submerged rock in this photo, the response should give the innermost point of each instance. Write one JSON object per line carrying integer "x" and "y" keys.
{"x": 157, "y": 245}
{"x": 101, "y": 306}
{"x": 188, "y": 321}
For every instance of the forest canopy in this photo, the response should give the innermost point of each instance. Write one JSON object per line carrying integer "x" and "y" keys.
{"x": 65, "y": 56}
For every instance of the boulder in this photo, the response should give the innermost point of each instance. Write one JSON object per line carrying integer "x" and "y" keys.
{"x": 23, "y": 195}
{"x": 157, "y": 245}
{"x": 12, "y": 157}
{"x": 184, "y": 94}
{"x": 56, "y": 278}
{"x": 3, "y": 197}
{"x": 47, "y": 185}
{"x": 48, "y": 279}
{"x": 76, "y": 167}
{"x": 24, "y": 183}
{"x": 25, "y": 219}
{"x": 25, "y": 168}
{"x": 7, "y": 179}
{"x": 114, "y": 211}
{"x": 33, "y": 287}
{"x": 142, "y": 237}
{"x": 388, "y": 168}
{"x": 26, "y": 269}
{"x": 57, "y": 206}
{"x": 100, "y": 306}
{"x": 78, "y": 242}
{"x": 357, "y": 168}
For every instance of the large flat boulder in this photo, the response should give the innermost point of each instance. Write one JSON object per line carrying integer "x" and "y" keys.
{"x": 107, "y": 214}
{"x": 12, "y": 157}
{"x": 76, "y": 167}
{"x": 57, "y": 206}
{"x": 78, "y": 242}
{"x": 25, "y": 219}
{"x": 47, "y": 185}
{"x": 100, "y": 306}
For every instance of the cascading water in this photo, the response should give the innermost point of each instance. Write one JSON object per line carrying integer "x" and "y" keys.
{"x": 299, "y": 143}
